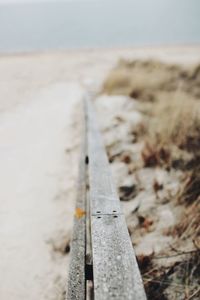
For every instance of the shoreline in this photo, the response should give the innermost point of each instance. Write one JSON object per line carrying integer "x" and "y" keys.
{"x": 75, "y": 50}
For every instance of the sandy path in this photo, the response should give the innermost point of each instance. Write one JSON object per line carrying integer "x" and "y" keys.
{"x": 34, "y": 174}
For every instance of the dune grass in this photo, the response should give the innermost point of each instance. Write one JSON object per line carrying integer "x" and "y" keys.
{"x": 145, "y": 80}
{"x": 173, "y": 129}
{"x": 168, "y": 96}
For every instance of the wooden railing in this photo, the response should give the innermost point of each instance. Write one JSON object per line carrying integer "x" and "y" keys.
{"x": 103, "y": 264}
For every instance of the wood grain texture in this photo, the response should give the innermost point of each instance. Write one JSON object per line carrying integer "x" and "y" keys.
{"x": 116, "y": 273}
{"x": 76, "y": 279}
{"x": 103, "y": 194}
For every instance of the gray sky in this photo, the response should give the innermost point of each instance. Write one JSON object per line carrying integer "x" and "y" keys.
{"x": 59, "y": 24}
{"x": 32, "y": 1}
{"x": 18, "y": 1}
{"x": 22, "y": 1}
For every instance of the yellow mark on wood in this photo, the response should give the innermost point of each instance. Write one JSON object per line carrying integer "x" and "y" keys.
{"x": 79, "y": 213}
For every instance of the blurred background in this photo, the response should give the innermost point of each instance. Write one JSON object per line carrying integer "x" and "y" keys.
{"x": 39, "y": 25}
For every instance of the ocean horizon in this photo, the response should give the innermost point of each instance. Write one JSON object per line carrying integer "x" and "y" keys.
{"x": 98, "y": 23}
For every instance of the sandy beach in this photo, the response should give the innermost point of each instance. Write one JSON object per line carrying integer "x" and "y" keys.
{"x": 40, "y": 108}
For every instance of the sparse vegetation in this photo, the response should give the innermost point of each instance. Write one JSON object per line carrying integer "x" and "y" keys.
{"x": 168, "y": 97}
{"x": 173, "y": 131}
{"x": 147, "y": 80}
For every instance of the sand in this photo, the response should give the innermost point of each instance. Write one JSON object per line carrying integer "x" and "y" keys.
{"x": 40, "y": 102}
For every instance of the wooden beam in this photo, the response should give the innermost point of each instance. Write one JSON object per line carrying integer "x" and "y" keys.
{"x": 115, "y": 270}
{"x": 76, "y": 279}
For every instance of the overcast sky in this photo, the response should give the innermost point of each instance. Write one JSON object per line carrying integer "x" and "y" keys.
{"x": 32, "y": 1}
{"x": 18, "y": 1}
{"x": 60, "y": 24}
{"x": 23, "y": 1}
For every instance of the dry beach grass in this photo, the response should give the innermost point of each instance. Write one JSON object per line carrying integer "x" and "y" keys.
{"x": 161, "y": 155}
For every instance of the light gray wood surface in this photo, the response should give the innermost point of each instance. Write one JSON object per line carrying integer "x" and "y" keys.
{"x": 115, "y": 270}
{"x": 103, "y": 194}
{"x": 76, "y": 277}
{"x": 105, "y": 239}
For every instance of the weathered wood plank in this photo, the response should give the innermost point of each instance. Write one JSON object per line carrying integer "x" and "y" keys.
{"x": 76, "y": 279}
{"x": 116, "y": 273}
{"x": 102, "y": 191}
